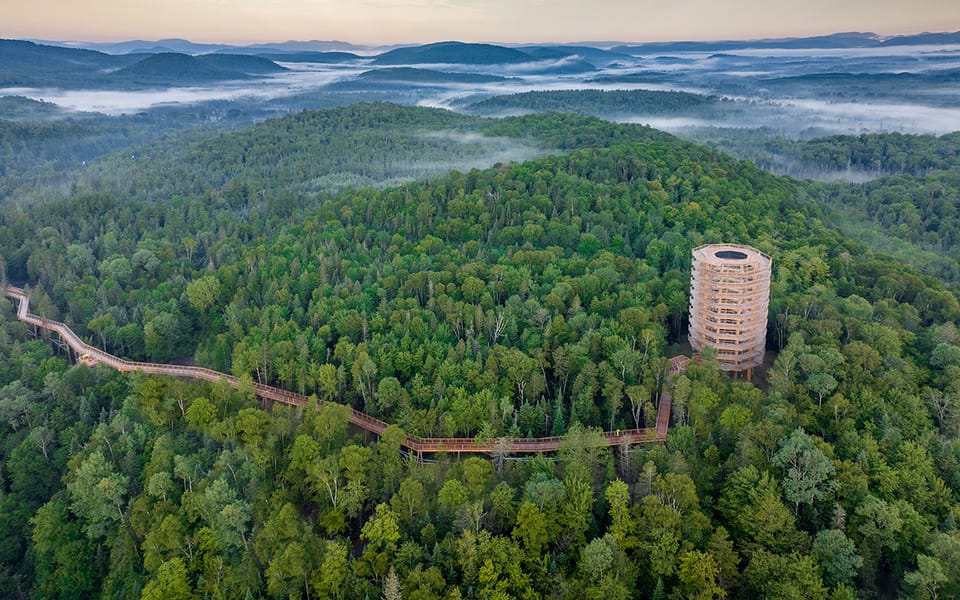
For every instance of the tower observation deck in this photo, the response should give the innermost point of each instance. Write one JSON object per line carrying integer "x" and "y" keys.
{"x": 729, "y": 298}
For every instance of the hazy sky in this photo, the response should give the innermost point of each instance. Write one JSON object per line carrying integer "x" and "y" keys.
{"x": 409, "y": 21}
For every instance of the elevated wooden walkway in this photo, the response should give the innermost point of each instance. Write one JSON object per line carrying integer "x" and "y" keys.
{"x": 91, "y": 355}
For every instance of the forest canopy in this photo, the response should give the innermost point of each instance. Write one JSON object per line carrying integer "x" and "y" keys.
{"x": 525, "y": 299}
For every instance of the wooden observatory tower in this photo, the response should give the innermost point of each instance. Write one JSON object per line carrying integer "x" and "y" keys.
{"x": 729, "y": 297}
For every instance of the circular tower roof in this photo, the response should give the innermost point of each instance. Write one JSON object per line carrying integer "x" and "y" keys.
{"x": 732, "y": 254}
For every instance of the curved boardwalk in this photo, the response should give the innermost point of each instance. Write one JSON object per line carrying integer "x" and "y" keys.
{"x": 418, "y": 445}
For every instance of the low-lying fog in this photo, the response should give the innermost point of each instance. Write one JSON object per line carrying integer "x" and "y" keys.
{"x": 833, "y": 90}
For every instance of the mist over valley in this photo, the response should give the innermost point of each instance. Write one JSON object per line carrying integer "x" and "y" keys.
{"x": 766, "y": 86}
{"x": 795, "y": 89}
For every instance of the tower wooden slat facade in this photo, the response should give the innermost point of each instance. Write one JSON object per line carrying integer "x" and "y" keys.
{"x": 729, "y": 299}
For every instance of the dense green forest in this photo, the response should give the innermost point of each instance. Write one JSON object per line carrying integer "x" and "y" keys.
{"x": 313, "y": 152}
{"x": 44, "y": 148}
{"x": 870, "y": 155}
{"x": 600, "y": 103}
{"x": 912, "y": 211}
{"x": 913, "y": 218}
{"x": 527, "y": 299}
{"x": 310, "y": 151}
{"x": 884, "y": 153}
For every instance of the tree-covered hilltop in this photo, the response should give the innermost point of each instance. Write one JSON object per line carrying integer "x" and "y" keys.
{"x": 313, "y": 152}
{"x": 885, "y": 153}
{"x": 868, "y": 156}
{"x": 169, "y": 152}
{"x": 600, "y": 103}
{"x": 525, "y": 299}
{"x": 43, "y": 147}
{"x": 18, "y": 108}
{"x": 309, "y": 152}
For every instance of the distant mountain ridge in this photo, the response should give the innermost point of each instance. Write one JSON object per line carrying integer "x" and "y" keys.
{"x": 924, "y": 38}
{"x": 836, "y": 40}
{"x": 453, "y": 73}
{"x": 188, "y": 47}
{"x": 311, "y": 57}
{"x": 27, "y": 64}
{"x": 846, "y": 40}
{"x": 477, "y": 54}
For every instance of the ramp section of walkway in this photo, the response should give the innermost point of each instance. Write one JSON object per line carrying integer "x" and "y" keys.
{"x": 420, "y": 445}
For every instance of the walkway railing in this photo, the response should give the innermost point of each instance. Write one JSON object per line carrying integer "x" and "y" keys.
{"x": 419, "y": 445}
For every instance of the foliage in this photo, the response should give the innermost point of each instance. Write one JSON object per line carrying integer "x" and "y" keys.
{"x": 525, "y": 300}
{"x": 599, "y": 103}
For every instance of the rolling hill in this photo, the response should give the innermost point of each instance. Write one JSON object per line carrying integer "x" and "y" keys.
{"x": 594, "y": 102}
{"x": 453, "y": 53}
{"x": 26, "y": 64}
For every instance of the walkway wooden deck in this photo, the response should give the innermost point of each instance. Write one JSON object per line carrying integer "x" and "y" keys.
{"x": 419, "y": 445}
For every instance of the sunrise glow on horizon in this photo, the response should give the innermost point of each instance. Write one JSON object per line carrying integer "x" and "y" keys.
{"x": 504, "y": 21}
